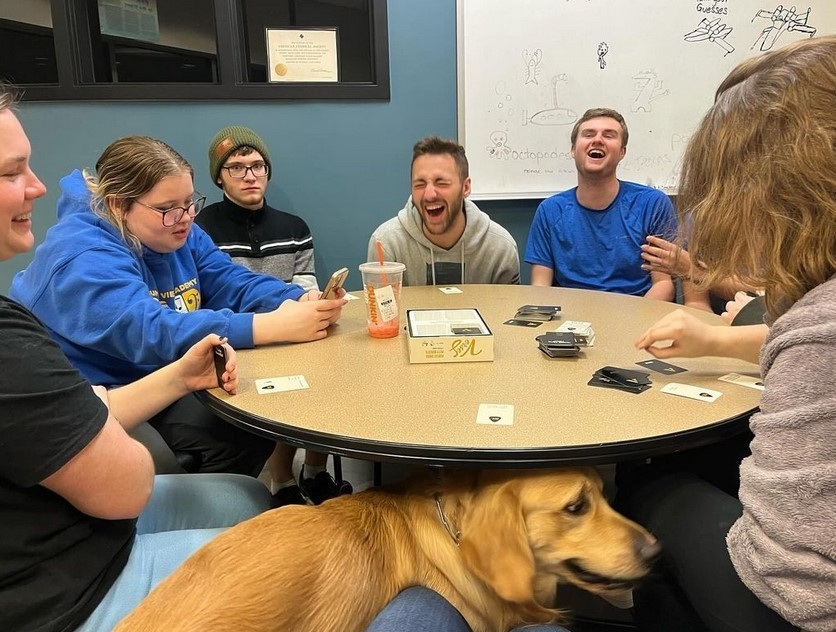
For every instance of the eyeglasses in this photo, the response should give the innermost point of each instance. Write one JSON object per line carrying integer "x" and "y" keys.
{"x": 259, "y": 170}
{"x": 173, "y": 215}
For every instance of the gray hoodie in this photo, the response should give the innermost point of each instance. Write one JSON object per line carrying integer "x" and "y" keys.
{"x": 486, "y": 252}
{"x": 784, "y": 545}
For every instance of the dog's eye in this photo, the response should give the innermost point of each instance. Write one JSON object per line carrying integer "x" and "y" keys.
{"x": 577, "y": 507}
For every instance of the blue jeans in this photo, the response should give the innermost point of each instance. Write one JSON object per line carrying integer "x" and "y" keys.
{"x": 185, "y": 512}
{"x": 419, "y": 609}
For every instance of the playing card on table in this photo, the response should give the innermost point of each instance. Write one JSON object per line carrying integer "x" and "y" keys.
{"x": 601, "y": 380}
{"x": 581, "y": 330}
{"x": 522, "y": 322}
{"x": 628, "y": 377}
{"x": 542, "y": 313}
{"x": 661, "y": 367}
{"x": 692, "y": 392}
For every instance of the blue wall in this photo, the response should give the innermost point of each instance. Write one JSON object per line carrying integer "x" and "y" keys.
{"x": 343, "y": 166}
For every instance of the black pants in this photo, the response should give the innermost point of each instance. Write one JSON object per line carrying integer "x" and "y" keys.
{"x": 188, "y": 427}
{"x": 694, "y": 587}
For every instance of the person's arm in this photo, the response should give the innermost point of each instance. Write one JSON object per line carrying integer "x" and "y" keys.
{"x": 111, "y": 478}
{"x": 304, "y": 273}
{"x": 100, "y": 301}
{"x": 661, "y": 287}
{"x": 228, "y": 285}
{"x": 692, "y": 297}
{"x": 541, "y": 275}
{"x": 509, "y": 272}
{"x": 538, "y": 250}
{"x": 56, "y": 431}
{"x": 297, "y": 321}
{"x": 139, "y": 401}
{"x": 689, "y": 337}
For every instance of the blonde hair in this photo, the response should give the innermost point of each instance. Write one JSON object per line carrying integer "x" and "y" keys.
{"x": 9, "y": 95}
{"x": 127, "y": 169}
{"x": 759, "y": 175}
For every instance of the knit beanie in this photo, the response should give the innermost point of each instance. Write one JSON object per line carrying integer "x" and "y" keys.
{"x": 227, "y": 141}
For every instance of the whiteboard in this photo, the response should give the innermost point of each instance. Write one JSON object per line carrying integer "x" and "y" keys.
{"x": 528, "y": 69}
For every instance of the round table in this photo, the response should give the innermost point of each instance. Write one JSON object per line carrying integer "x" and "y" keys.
{"x": 367, "y": 401}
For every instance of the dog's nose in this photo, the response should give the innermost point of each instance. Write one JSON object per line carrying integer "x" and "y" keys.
{"x": 648, "y": 548}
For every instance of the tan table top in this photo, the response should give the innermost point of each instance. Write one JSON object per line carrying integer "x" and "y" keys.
{"x": 366, "y": 400}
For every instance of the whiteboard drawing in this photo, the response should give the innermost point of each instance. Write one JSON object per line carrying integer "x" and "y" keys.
{"x": 648, "y": 88}
{"x": 782, "y": 20}
{"x": 555, "y": 115}
{"x": 711, "y": 31}
{"x": 499, "y": 150}
{"x": 532, "y": 65}
{"x": 603, "y": 49}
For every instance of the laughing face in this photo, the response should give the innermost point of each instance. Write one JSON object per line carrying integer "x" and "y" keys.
{"x": 599, "y": 147}
{"x": 438, "y": 193}
{"x": 19, "y": 188}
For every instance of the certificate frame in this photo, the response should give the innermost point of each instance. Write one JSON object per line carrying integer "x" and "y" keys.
{"x": 303, "y": 55}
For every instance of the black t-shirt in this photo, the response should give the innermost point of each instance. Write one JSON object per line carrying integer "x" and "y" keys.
{"x": 56, "y": 563}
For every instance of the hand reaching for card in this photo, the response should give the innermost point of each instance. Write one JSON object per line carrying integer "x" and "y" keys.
{"x": 688, "y": 337}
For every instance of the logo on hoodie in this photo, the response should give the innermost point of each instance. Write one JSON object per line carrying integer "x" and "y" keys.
{"x": 188, "y": 301}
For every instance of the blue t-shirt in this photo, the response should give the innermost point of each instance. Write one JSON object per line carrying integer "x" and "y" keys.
{"x": 600, "y": 250}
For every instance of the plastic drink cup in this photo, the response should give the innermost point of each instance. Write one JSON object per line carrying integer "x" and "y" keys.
{"x": 382, "y": 289}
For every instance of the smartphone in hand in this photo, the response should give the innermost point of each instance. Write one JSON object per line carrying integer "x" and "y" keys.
{"x": 220, "y": 363}
{"x": 334, "y": 284}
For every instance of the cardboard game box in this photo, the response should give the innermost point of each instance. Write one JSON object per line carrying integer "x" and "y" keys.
{"x": 448, "y": 335}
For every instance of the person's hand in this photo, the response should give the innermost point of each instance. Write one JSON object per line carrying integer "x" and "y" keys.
{"x": 315, "y": 295}
{"x": 661, "y": 255}
{"x": 197, "y": 366}
{"x": 297, "y": 321}
{"x": 741, "y": 299}
{"x": 310, "y": 295}
{"x": 689, "y": 337}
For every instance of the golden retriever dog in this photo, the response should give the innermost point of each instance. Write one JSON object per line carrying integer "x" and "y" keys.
{"x": 493, "y": 543}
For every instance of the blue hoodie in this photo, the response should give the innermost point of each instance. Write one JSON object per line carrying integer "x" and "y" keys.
{"x": 119, "y": 314}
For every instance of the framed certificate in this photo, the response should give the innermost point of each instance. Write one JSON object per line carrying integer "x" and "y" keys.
{"x": 302, "y": 55}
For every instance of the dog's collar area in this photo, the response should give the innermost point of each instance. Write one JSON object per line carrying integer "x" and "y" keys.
{"x": 454, "y": 534}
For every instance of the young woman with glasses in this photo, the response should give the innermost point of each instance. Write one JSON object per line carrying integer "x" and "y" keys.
{"x": 126, "y": 282}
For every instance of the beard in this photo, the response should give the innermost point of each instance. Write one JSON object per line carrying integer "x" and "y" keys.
{"x": 454, "y": 210}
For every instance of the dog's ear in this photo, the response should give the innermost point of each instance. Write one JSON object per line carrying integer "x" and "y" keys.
{"x": 494, "y": 543}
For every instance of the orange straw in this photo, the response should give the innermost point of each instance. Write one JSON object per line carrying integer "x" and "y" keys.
{"x": 379, "y": 247}
{"x": 380, "y": 253}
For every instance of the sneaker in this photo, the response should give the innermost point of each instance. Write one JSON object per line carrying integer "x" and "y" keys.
{"x": 291, "y": 495}
{"x": 322, "y": 487}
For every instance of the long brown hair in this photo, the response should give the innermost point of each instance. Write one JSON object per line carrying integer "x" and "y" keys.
{"x": 759, "y": 175}
{"x": 127, "y": 169}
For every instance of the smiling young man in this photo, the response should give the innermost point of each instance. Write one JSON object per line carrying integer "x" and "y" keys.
{"x": 441, "y": 236}
{"x": 254, "y": 234}
{"x": 590, "y": 237}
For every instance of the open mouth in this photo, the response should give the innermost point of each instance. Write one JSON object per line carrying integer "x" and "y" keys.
{"x": 595, "y": 153}
{"x": 22, "y": 218}
{"x": 599, "y": 582}
{"x": 434, "y": 211}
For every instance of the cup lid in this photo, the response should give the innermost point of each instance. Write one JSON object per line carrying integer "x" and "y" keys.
{"x": 388, "y": 267}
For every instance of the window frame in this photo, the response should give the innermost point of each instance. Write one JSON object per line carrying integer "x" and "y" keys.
{"x": 74, "y": 43}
